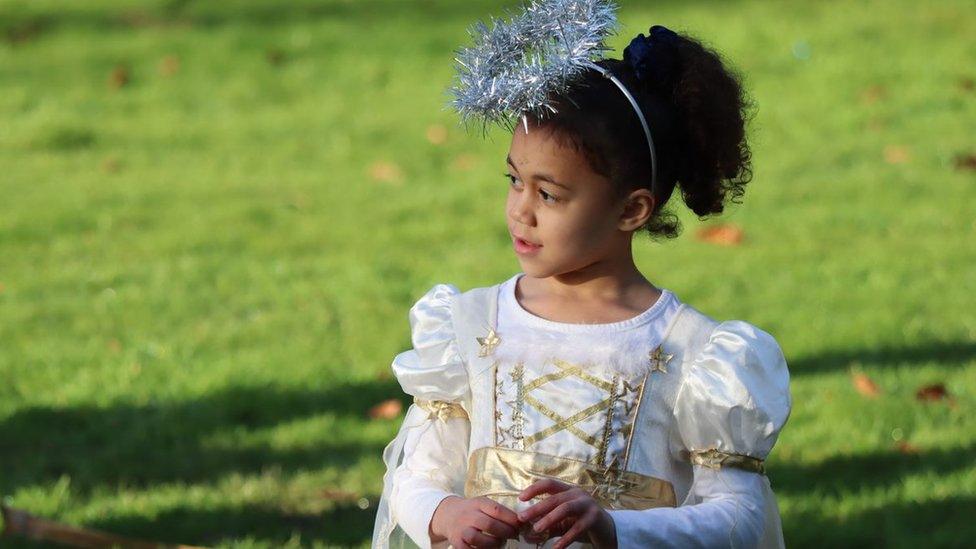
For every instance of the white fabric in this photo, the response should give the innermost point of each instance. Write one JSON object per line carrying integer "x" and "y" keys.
{"x": 616, "y": 353}
{"x": 725, "y": 509}
{"x": 435, "y": 451}
{"x": 436, "y": 457}
{"x": 732, "y": 395}
{"x": 735, "y": 396}
{"x": 619, "y": 347}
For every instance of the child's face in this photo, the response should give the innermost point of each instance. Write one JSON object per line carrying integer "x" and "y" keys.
{"x": 557, "y": 202}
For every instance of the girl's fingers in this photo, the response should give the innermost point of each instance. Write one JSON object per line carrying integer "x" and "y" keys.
{"x": 536, "y": 537}
{"x": 544, "y": 506}
{"x": 553, "y": 531}
{"x": 581, "y": 526}
{"x": 499, "y": 511}
{"x": 561, "y": 527}
{"x": 473, "y": 537}
{"x": 544, "y": 486}
{"x": 495, "y": 527}
{"x": 571, "y": 508}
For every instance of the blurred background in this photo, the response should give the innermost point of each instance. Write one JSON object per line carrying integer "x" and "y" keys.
{"x": 214, "y": 217}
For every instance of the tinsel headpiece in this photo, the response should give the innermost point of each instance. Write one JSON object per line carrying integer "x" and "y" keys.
{"x": 520, "y": 65}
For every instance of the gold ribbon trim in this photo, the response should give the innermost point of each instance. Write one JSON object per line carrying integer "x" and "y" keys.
{"x": 502, "y": 473}
{"x": 716, "y": 459}
{"x": 441, "y": 409}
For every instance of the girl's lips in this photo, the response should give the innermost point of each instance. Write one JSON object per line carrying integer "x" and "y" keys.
{"x": 524, "y": 247}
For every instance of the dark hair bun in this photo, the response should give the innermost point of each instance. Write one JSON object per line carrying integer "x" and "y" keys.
{"x": 696, "y": 110}
{"x": 711, "y": 106}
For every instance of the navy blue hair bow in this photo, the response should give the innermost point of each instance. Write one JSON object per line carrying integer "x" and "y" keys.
{"x": 654, "y": 58}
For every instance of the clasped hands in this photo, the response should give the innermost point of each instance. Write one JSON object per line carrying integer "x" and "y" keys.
{"x": 568, "y": 512}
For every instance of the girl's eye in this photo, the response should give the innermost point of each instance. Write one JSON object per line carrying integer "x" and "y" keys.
{"x": 545, "y": 196}
{"x": 511, "y": 178}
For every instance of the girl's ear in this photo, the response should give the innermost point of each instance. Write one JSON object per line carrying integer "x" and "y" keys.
{"x": 637, "y": 210}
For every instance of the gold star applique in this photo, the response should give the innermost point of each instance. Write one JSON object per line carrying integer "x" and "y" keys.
{"x": 610, "y": 485}
{"x": 659, "y": 360}
{"x": 488, "y": 343}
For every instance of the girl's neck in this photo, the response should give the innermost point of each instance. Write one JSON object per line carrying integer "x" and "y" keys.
{"x": 599, "y": 292}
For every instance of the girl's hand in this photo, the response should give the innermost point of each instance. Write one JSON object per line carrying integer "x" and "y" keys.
{"x": 473, "y": 522}
{"x": 569, "y": 512}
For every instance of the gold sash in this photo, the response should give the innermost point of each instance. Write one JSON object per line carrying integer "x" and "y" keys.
{"x": 716, "y": 459}
{"x": 502, "y": 473}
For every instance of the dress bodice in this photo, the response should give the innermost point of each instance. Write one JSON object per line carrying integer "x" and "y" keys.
{"x": 636, "y": 413}
{"x": 573, "y": 389}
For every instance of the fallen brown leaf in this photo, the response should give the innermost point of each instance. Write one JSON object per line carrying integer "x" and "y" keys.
{"x": 169, "y": 65}
{"x": 906, "y": 447}
{"x": 966, "y": 162}
{"x": 967, "y": 84}
{"x": 111, "y": 165}
{"x": 332, "y": 494}
{"x": 723, "y": 235}
{"x": 437, "y": 134}
{"x": 865, "y": 385}
{"x": 935, "y": 391}
{"x": 384, "y": 171}
{"x": 118, "y": 77}
{"x": 897, "y": 154}
{"x": 275, "y": 56}
{"x": 873, "y": 94}
{"x": 114, "y": 345}
{"x": 388, "y": 409}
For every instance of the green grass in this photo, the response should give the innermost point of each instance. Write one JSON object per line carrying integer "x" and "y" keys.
{"x": 202, "y": 287}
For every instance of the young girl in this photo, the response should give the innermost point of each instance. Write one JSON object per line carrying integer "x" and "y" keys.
{"x": 577, "y": 403}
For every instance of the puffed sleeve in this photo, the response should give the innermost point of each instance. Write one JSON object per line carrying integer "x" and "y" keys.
{"x": 433, "y": 370}
{"x": 732, "y": 402}
{"x": 735, "y": 397}
{"x": 433, "y": 439}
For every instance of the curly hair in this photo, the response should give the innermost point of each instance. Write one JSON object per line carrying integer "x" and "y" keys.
{"x": 698, "y": 122}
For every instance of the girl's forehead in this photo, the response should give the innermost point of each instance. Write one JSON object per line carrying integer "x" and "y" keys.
{"x": 544, "y": 154}
{"x": 543, "y": 146}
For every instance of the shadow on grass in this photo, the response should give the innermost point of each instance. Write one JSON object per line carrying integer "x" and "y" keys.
{"x": 346, "y": 525}
{"x": 140, "y": 445}
{"x": 943, "y": 523}
{"x": 948, "y": 353}
{"x": 846, "y": 474}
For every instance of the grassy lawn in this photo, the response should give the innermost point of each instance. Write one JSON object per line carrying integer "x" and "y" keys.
{"x": 214, "y": 217}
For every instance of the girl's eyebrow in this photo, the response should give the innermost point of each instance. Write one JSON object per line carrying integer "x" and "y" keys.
{"x": 542, "y": 176}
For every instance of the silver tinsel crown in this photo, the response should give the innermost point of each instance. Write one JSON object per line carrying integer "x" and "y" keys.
{"x": 518, "y": 65}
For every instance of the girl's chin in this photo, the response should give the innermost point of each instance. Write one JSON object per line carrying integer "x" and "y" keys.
{"x": 534, "y": 270}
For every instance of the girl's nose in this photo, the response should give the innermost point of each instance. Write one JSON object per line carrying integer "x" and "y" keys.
{"x": 521, "y": 209}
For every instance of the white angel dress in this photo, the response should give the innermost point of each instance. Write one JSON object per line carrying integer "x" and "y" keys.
{"x": 666, "y": 418}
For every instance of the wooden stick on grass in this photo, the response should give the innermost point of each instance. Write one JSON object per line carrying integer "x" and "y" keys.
{"x": 21, "y": 523}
